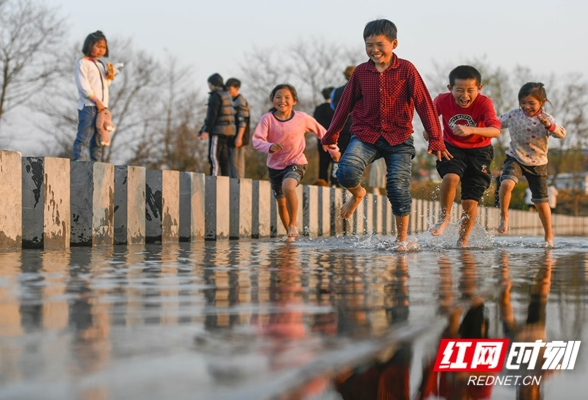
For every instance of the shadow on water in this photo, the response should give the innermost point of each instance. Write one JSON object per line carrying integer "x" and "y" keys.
{"x": 340, "y": 318}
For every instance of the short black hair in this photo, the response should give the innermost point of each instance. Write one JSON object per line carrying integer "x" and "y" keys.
{"x": 326, "y": 92}
{"x": 216, "y": 80}
{"x": 233, "y": 82}
{"x": 91, "y": 40}
{"x": 380, "y": 27}
{"x": 465, "y": 72}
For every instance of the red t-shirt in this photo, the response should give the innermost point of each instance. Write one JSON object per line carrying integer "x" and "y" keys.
{"x": 480, "y": 114}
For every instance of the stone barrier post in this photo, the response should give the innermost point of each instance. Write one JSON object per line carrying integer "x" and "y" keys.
{"x": 162, "y": 206}
{"x": 241, "y": 208}
{"x": 129, "y": 204}
{"x": 192, "y": 192}
{"x": 45, "y": 202}
{"x": 92, "y": 203}
{"x": 11, "y": 204}
{"x": 217, "y": 207}
{"x": 311, "y": 211}
{"x": 324, "y": 199}
{"x": 262, "y": 209}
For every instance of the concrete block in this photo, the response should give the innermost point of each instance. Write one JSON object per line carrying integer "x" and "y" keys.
{"x": 324, "y": 199}
{"x": 217, "y": 204}
{"x": 262, "y": 205}
{"x": 92, "y": 203}
{"x": 369, "y": 214}
{"x": 359, "y": 218}
{"x": 11, "y": 204}
{"x": 377, "y": 215}
{"x": 192, "y": 200}
{"x": 277, "y": 228}
{"x": 45, "y": 202}
{"x": 162, "y": 206}
{"x": 129, "y": 204}
{"x": 338, "y": 224}
{"x": 412, "y": 219}
{"x": 241, "y": 208}
{"x": 311, "y": 210}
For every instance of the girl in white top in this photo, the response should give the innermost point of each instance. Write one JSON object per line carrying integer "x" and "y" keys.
{"x": 530, "y": 128}
{"x": 93, "y": 78}
{"x": 280, "y": 133}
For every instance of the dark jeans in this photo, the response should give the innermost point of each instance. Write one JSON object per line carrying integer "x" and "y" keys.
{"x": 87, "y": 135}
{"x": 218, "y": 155}
{"x": 398, "y": 166}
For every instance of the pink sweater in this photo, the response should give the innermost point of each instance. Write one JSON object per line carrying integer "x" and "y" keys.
{"x": 289, "y": 134}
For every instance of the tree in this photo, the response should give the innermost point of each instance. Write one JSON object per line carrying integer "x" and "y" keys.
{"x": 31, "y": 35}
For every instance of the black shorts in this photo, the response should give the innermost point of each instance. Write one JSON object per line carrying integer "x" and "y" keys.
{"x": 472, "y": 166}
{"x": 277, "y": 176}
{"x": 536, "y": 176}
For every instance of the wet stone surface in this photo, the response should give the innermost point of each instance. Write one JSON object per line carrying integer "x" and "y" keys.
{"x": 319, "y": 319}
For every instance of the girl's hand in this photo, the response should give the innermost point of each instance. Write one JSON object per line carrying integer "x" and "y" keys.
{"x": 543, "y": 119}
{"x": 275, "y": 147}
{"x": 204, "y": 136}
{"x": 100, "y": 107}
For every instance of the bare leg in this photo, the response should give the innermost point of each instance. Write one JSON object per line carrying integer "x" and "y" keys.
{"x": 545, "y": 216}
{"x": 401, "y": 243}
{"x": 505, "y": 195}
{"x": 283, "y": 212}
{"x": 357, "y": 195}
{"x": 446, "y": 197}
{"x": 470, "y": 213}
{"x": 289, "y": 188}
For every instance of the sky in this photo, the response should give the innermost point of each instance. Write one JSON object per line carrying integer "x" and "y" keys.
{"x": 212, "y": 36}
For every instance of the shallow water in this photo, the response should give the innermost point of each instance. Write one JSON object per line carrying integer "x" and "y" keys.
{"x": 272, "y": 319}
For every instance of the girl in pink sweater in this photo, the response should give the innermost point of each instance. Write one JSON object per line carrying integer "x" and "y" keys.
{"x": 280, "y": 134}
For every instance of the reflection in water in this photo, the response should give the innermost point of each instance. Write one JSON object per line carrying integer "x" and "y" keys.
{"x": 271, "y": 319}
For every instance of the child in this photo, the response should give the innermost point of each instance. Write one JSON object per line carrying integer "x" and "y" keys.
{"x": 469, "y": 124}
{"x": 381, "y": 96}
{"x": 530, "y": 128}
{"x": 280, "y": 133}
{"x": 92, "y": 80}
{"x": 238, "y": 143}
{"x": 220, "y": 125}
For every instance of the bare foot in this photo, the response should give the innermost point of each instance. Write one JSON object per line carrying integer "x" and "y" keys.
{"x": 462, "y": 243}
{"x": 293, "y": 231}
{"x": 503, "y": 227}
{"x": 549, "y": 243}
{"x": 351, "y": 204}
{"x": 439, "y": 227}
{"x": 410, "y": 244}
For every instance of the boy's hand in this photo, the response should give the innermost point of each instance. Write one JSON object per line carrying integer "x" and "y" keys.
{"x": 462, "y": 130}
{"x": 204, "y": 136}
{"x": 440, "y": 154}
{"x": 426, "y": 135}
{"x": 333, "y": 151}
{"x": 275, "y": 147}
{"x": 543, "y": 119}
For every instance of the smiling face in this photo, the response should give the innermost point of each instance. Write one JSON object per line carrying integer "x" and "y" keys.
{"x": 98, "y": 49}
{"x": 530, "y": 105}
{"x": 283, "y": 101}
{"x": 465, "y": 91}
{"x": 380, "y": 49}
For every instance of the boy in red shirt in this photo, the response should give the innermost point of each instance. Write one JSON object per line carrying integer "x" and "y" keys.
{"x": 469, "y": 124}
{"x": 381, "y": 97}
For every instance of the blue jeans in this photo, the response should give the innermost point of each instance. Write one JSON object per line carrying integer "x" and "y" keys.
{"x": 87, "y": 135}
{"x": 398, "y": 169}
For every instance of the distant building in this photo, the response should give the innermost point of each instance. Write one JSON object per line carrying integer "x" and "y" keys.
{"x": 577, "y": 180}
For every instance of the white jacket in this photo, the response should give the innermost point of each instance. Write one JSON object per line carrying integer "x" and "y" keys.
{"x": 91, "y": 81}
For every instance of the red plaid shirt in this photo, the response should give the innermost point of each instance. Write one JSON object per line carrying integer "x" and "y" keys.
{"x": 383, "y": 104}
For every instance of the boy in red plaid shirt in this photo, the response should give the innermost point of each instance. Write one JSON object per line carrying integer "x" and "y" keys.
{"x": 381, "y": 97}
